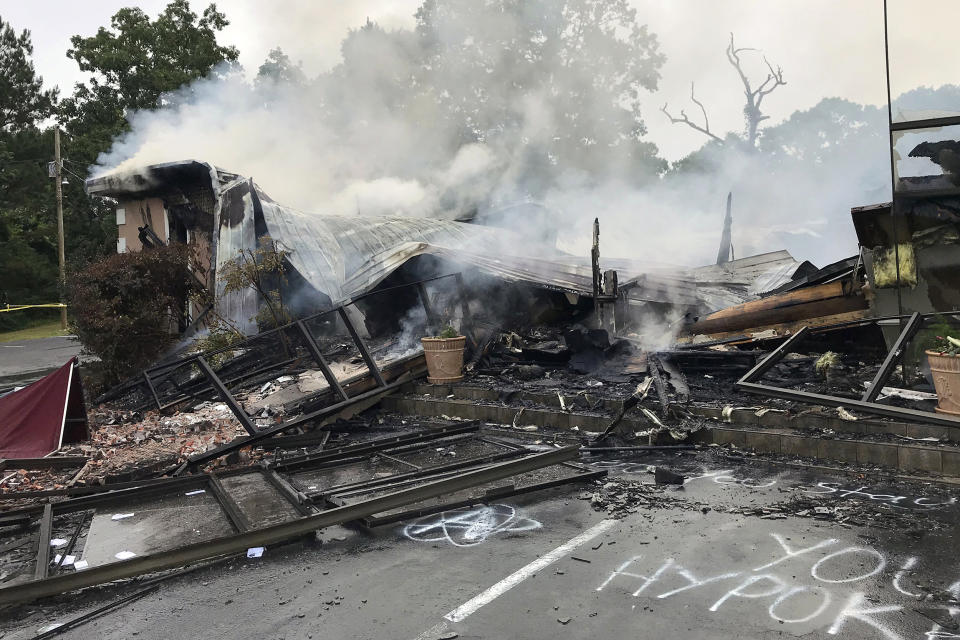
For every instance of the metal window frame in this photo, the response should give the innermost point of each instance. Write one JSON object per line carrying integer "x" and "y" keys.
{"x": 279, "y": 533}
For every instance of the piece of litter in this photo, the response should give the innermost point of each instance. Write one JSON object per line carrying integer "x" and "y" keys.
{"x": 124, "y": 555}
{"x": 194, "y": 493}
{"x": 79, "y": 565}
{"x": 121, "y": 516}
{"x": 49, "y": 627}
{"x": 57, "y": 542}
{"x": 254, "y": 552}
{"x": 66, "y": 561}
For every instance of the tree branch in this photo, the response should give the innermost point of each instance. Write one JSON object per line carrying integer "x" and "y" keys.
{"x": 733, "y": 56}
{"x": 774, "y": 76}
{"x": 684, "y": 119}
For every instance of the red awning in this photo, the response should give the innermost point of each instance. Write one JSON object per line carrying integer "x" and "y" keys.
{"x": 43, "y": 416}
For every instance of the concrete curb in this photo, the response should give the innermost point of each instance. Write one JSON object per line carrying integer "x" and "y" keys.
{"x": 773, "y": 431}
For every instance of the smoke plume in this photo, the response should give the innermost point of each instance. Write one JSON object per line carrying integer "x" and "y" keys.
{"x": 357, "y": 140}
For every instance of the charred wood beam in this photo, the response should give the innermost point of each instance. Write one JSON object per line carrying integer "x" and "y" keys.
{"x": 658, "y": 383}
{"x": 827, "y": 299}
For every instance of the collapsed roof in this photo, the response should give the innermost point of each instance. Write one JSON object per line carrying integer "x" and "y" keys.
{"x": 345, "y": 256}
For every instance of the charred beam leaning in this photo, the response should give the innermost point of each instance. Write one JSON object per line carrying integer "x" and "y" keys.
{"x": 227, "y": 397}
{"x": 362, "y": 346}
{"x": 896, "y": 351}
{"x": 427, "y": 307}
{"x": 153, "y": 390}
{"x": 314, "y": 350}
{"x": 771, "y": 360}
{"x": 467, "y": 328}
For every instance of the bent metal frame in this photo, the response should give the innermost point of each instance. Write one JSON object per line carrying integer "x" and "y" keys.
{"x": 867, "y": 402}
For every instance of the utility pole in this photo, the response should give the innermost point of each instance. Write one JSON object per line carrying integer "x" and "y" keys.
{"x": 58, "y": 166}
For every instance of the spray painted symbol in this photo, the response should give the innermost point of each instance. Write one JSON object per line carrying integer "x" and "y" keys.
{"x": 468, "y": 527}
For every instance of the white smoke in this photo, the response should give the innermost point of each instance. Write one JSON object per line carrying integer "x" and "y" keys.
{"x": 351, "y": 143}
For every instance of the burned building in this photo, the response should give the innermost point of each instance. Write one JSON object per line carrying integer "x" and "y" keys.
{"x": 333, "y": 259}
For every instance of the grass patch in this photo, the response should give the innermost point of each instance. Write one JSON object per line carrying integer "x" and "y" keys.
{"x": 45, "y": 330}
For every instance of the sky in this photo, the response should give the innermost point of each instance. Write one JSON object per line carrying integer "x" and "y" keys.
{"x": 826, "y": 48}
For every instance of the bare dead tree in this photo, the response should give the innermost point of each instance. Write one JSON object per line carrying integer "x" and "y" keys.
{"x": 751, "y": 111}
{"x": 752, "y": 114}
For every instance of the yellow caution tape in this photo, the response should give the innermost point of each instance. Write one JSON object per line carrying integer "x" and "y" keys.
{"x": 21, "y": 307}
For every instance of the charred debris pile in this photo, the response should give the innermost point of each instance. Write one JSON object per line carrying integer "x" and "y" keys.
{"x": 329, "y": 420}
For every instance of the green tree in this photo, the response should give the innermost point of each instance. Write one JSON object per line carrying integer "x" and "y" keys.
{"x": 23, "y": 101}
{"x": 28, "y": 257}
{"x": 137, "y": 64}
{"x": 832, "y": 132}
{"x": 278, "y": 68}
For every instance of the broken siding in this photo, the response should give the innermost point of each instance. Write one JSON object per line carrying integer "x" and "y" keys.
{"x": 237, "y": 217}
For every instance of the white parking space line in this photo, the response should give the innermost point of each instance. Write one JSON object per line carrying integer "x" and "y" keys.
{"x": 522, "y": 574}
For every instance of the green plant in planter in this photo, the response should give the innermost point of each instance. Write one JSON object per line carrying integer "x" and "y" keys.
{"x": 945, "y": 345}
{"x": 932, "y": 338}
{"x": 448, "y": 332}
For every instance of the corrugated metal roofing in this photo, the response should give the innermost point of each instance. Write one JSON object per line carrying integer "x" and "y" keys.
{"x": 344, "y": 257}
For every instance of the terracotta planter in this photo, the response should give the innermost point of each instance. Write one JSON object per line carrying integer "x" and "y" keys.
{"x": 946, "y": 379}
{"x": 444, "y": 359}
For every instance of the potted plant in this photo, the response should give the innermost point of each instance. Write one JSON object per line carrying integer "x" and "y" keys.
{"x": 444, "y": 354}
{"x": 945, "y": 367}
